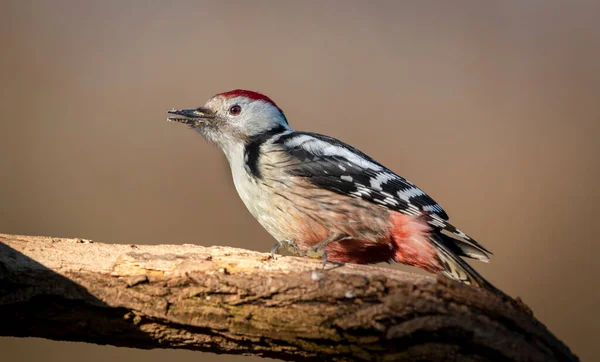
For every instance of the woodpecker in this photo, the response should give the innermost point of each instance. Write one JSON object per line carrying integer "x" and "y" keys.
{"x": 318, "y": 196}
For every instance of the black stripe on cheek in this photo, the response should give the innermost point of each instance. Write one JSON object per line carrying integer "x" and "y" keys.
{"x": 252, "y": 149}
{"x": 251, "y": 156}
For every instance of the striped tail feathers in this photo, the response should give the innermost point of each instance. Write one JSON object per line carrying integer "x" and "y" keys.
{"x": 458, "y": 269}
{"x": 466, "y": 249}
{"x": 459, "y": 242}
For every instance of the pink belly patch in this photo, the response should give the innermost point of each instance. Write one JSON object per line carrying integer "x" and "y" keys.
{"x": 410, "y": 236}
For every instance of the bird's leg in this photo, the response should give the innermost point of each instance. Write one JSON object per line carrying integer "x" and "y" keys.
{"x": 320, "y": 246}
{"x": 288, "y": 245}
{"x": 318, "y": 250}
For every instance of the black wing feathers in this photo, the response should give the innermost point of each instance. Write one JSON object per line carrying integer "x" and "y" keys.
{"x": 333, "y": 165}
{"x": 339, "y": 174}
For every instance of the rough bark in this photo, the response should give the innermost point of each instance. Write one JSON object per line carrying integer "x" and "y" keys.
{"x": 235, "y": 301}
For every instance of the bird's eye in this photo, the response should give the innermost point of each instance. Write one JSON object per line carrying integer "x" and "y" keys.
{"x": 235, "y": 110}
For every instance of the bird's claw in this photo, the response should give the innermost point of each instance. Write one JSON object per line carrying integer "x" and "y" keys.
{"x": 292, "y": 248}
{"x": 288, "y": 245}
{"x": 324, "y": 259}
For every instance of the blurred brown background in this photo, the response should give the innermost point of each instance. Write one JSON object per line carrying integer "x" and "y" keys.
{"x": 491, "y": 107}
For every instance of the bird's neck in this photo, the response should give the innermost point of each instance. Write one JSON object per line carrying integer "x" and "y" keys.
{"x": 245, "y": 154}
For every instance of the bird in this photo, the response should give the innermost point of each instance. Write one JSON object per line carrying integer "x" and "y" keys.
{"x": 320, "y": 197}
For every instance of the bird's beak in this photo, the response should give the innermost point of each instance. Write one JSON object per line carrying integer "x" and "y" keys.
{"x": 192, "y": 117}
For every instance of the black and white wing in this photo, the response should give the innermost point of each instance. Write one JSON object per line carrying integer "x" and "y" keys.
{"x": 333, "y": 165}
{"x": 336, "y": 166}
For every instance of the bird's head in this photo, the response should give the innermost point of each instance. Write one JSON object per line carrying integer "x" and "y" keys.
{"x": 233, "y": 118}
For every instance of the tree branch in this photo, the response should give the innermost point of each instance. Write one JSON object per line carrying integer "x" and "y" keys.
{"x": 226, "y": 300}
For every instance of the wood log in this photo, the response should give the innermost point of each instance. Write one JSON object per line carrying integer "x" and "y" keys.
{"x": 226, "y": 300}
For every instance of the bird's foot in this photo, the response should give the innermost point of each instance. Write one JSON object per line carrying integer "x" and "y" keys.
{"x": 316, "y": 252}
{"x": 287, "y": 245}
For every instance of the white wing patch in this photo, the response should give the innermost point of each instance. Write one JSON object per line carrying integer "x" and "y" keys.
{"x": 298, "y": 140}
{"x": 380, "y": 179}
{"x": 406, "y": 195}
{"x": 322, "y": 148}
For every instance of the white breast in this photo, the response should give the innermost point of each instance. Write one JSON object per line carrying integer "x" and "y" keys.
{"x": 258, "y": 198}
